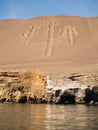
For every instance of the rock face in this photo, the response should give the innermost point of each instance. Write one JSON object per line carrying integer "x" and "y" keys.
{"x": 69, "y": 91}
{"x": 34, "y": 87}
{"x": 21, "y": 87}
{"x": 65, "y": 91}
{"x": 88, "y": 78}
{"x": 91, "y": 95}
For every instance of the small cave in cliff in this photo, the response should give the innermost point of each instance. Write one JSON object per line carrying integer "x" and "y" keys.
{"x": 67, "y": 98}
{"x": 91, "y": 95}
{"x": 23, "y": 99}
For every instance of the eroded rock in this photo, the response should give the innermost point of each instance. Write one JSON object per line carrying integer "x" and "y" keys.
{"x": 34, "y": 87}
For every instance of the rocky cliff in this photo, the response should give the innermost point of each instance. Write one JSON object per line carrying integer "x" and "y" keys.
{"x": 35, "y": 87}
{"x": 21, "y": 87}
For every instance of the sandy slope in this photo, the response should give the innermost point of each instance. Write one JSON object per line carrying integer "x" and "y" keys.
{"x": 62, "y": 41}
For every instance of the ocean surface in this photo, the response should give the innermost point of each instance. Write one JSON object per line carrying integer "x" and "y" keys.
{"x": 48, "y": 117}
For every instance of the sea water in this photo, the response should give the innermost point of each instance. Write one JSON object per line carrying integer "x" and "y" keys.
{"x": 48, "y": 117}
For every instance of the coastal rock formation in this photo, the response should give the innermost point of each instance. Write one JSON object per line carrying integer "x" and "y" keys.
{"x": 65, "y": 91}
{"x": 21, "y": 87}
{"x": 35, "y": 87}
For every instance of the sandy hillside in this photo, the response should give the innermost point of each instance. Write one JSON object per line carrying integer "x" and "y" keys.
{"x": 48, "y": 42}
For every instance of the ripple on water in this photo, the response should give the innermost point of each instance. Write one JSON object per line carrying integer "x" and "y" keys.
{"x": 48, "y": 117}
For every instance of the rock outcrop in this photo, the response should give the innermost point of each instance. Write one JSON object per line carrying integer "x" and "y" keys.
{"x": 34, "y": 87}
{"x": 65, "y": 91}
{"x": 75, "y": 89}
{"x": 21, "y": 87}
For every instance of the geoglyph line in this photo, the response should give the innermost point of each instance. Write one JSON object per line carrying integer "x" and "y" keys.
{"x": 67, "y": 34}
{"x": 60, "y": 34}
{"x": 30, "y": 35}
{"x": 49, "y": 45}
{"x": 70, "y": 35}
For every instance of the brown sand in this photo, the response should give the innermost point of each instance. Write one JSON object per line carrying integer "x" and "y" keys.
{"x": 49, "y": 43}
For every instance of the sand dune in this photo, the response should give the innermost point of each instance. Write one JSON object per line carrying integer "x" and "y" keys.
{"x": 48, "y": 42}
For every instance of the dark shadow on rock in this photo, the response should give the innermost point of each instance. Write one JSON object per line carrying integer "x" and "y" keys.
{"x": 66, "y": 98}
{"x": 23, "y": 99}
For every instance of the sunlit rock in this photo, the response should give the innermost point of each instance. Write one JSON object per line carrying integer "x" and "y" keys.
{"x": 65, "y": 91}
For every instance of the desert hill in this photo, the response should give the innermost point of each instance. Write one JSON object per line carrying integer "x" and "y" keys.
{"x": 48, "y": 41}
{"x": 62, "y": 48}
